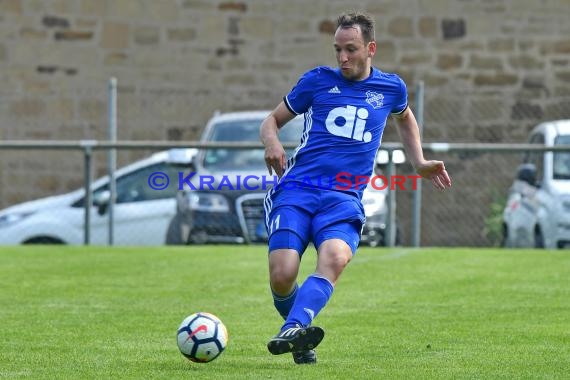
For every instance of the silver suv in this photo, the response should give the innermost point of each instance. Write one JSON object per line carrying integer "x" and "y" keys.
{"x": 223, "y": 201}
{"x": 537, "y": 213}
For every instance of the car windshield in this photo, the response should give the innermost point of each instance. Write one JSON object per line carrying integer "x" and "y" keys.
{"x": 561, "y": 167}
{"x": 221, "y": 159}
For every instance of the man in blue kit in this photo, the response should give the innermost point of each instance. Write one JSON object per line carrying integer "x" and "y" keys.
{"x": 345, "y": 112}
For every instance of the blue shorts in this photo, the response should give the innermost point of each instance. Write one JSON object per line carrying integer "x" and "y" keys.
{"x": 295, "y": 217}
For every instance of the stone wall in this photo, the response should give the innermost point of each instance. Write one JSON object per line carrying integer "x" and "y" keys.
{"x": 492, "y": 69}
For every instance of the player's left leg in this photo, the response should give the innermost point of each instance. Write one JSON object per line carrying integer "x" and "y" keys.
{"x": 296, "y": 340}
{"x": 330, "y": 264}
{"x": 333, "y": 256}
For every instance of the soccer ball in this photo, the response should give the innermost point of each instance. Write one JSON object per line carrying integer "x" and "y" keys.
{"x": 202, "y": 337}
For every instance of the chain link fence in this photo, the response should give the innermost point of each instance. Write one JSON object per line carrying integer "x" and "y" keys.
{"x": 469, "y": 214}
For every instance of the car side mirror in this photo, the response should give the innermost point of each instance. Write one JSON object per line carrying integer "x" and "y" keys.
{"x": 527, "y": 173}
{"x": 101, "y": 201}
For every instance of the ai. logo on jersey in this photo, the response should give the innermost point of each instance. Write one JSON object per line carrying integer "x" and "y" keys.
{"x": 348, "y": 122}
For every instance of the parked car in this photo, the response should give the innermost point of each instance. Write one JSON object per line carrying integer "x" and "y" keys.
{"x": 537, "y": 213}
{"x": 141, "y": 214}
{"x": 225, "y": 210}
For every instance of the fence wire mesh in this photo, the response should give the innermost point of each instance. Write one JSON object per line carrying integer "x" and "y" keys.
{"x": 469, "y": 214}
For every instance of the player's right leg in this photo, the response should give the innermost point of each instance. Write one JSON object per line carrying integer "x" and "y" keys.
{"x": 283, "y": 269}
{"x": 289, "y": 233}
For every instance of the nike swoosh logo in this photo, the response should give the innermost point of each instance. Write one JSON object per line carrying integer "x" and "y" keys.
{"x": 200, "y": 328}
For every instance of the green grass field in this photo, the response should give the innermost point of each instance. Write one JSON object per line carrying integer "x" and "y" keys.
{"x": 78, "y": 313}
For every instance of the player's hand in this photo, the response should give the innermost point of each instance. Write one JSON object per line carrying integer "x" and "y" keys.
{"x": 435, "y": 171}
{"x": 275, "y": 158}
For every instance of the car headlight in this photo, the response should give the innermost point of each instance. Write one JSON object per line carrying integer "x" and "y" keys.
{"x": 9, "y": 219}
{"x": 210, "y": 202}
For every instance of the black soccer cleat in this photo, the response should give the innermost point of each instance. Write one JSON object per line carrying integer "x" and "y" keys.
{"x": 305, "y": 357}
{"x": 296, "y": 339}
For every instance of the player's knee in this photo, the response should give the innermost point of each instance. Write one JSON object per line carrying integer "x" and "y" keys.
{"x": 333, "y": 258}
{"x": 282, "y": 281}
{"x": 339, "y": 260}
{"x": 283, "y": 270}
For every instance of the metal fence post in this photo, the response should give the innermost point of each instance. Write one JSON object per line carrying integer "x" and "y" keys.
{"x": 112, "y": 156}
{"x": 417, "y": 196}
{"x": 390, "y": 237}
{"x": 88, "y": 203}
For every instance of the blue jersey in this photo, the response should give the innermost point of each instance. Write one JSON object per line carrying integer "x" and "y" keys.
{"x": 344, "y": 122}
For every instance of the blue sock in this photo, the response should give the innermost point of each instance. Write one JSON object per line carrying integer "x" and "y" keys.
{"x": 312, "y": 297}
{"x": 284, "y": 304}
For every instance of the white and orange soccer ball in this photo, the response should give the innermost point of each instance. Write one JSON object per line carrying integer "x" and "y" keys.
{"x": 202, "y": 337}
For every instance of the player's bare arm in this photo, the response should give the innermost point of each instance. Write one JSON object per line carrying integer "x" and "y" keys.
{"x": 410, "y": 136}
{"x": 275, "y": 156}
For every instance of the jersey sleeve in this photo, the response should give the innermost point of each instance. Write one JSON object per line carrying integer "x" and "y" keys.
{"x": 401, "y": 100}
{"x": 300, "y": 99}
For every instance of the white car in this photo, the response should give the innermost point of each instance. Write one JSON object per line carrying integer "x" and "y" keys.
{"x": 141, "y": 213}
{"x": 537, "y": 213}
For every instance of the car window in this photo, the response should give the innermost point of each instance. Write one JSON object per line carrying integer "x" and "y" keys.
{"x": 134, "y": 187}
{"x": 537, "y": 158}
{"x": 245, "y": 130}
{"x": 561, "y": 161}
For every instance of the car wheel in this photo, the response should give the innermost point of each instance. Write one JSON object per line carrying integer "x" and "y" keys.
{"x": 44, "y": 240}
{"x": 198, "y": 237}
{"x": 538, "y": 238}
{"x": 505, "y": 237}
{"x": 174, "y": 234}
{"x": 375, "y": 238}
{"x": 381, "y": 238}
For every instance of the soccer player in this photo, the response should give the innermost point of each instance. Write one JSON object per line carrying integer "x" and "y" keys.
{"x": 345, "y": 111}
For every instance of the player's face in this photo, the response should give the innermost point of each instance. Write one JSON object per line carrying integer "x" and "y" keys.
{"x": 353, "y": 55}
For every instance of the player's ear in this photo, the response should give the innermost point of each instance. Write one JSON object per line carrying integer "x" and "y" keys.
{"x": 371, "y": 48}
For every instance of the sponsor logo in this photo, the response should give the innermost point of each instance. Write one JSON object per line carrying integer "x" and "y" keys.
{"x": 198, "y": 329}
{"x": 334, "y": 90}
{"x": 348, "y": 122}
